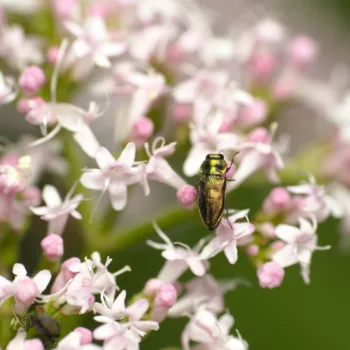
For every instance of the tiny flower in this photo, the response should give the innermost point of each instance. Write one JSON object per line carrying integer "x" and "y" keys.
{"x": 24, "y": 289}
{"x": 94, "y": 45}
{"x": 142, "y": 130}
{"x": 300, "y": 244}
{"x": 165, "y": 299}
{"x": 302, "y": 51}
{"x": 86, "y": 335}
{"x": 69, "y": 269}
{"x": 8, "y": 90}
{"x": 277, "y": 201}
{"x": 227, "y": 235}
{"x": 52, "y": 246}
{"x": 179, "y": 259}
{"x": 270, "y": 275}
{"x": 253, "y": 250}
{"x": 52, "y": 54}
{"x": 258, "y": 152}
{"x": 187, "y": 196}
{"x": 157, "y": 168}
{"x": 212, "y": 333}
{"x": 57, "y": 211}
{"x": 32, "y": 79}
{"x": 114, "y": 175}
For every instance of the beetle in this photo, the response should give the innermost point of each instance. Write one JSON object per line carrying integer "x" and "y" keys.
{"x": 211, "y": 189}
{"x": 46, "y": 326}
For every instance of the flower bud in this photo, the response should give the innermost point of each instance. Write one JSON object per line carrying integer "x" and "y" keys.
{"x": 33, "y": 344}
{"x": 66, "y": 273}
{"x": 181, "y": 112}
{"x": 302, "y": 51}
{"x": 86, "y": 335}
{"x": 52, "y": 246}
{"x": 263, "y": 65}
{"x": 278, "y": 200}
{"x": 187, "y": 196}
{"x": 26, "y": 292}
{"x": 259, "y": 135}
{"x": 165, "y": 299}
{"x": 270, "y": 275}
{"x": 152, "y": 286}
{"x": 32, "y": 79}
{"x": 253, "y": 250}
{"x": 142, "y": 130}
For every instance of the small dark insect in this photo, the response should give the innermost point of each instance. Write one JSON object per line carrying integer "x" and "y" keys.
{"x": 212, "y": 189}
{"x": 46, "y": 326}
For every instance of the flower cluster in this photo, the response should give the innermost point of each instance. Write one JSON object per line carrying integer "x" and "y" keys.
{"x": 177, "y": 102}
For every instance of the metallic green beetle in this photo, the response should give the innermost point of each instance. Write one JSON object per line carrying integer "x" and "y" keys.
{"x": 211, "y": 190}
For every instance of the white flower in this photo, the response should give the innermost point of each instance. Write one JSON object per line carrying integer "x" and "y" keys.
{"x": 300, "y": 244}
{"x": 211, "y": 333}
{"x": 114, "y": 175}
{"x": 58, "y": 211}
{"x": 8, "y": 90}
{"x": 228, "y": 234}
{"x": 179, "y": 258}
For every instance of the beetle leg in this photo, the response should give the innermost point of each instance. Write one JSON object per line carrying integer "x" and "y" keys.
{"x": 227, "y": 217}
{"x": 228, "y": 169}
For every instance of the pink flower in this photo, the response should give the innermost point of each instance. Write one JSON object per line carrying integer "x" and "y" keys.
{"x": 203, "y": 291}
{"x": 270, "y": 275}
{"x": 187, "y": 196}
{"x": 277, "y": 201}
{"x": 211, "y": 333}
{"x": 300, "y": 244}
{"x": 32, "y": 79}
{"x": 24, "y": 289}
{"x": 157, "y": 168}
{"x": 57, "y": 211}
{"x": 69, "y": 269}
{"x": 164, "y": 300}
{"x": 227, "y": 235}
{"x": 179, "y": 259}
{"x": 94, "y": 45}
{"x": 114, "y": 175}
{"x": 85, "y": 335}
{"x": 258, "y": 153}
{"x": 302, "y": 50}
{"x": 52, "y": 246}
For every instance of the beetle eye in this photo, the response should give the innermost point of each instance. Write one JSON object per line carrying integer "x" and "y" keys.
{"x": 219, "y": 167}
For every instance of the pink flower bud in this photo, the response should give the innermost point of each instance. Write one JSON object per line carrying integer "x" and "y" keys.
{"x": 268, "y": 230}
{"x": 187, "y": 196}
{"x": 282, "y": 90}
{"x": 142, "y": 130}
{"x": 66, "y": 273}
{"x": 152, "y": 286}
{"x": 163, "y": 301}
{"x": 259, "y": 135}
{"x": 52, "y": 246}
{"x": 32, "y": 195}
{"x": 253, "y": 114}
{"x": 33, "y": 344}
{"x": 181, "y": 112}
{"x": 86, "y": 335}
{"x": 52, "y": 54}
{"x": 278, "y": 200}
{"x": 32, "y": 79}
{"x": 270, "y": 275}
{"x": 276, "y": 246}
{"x": 25, "y": 105}
{"x": 263, "y": 65}
{"x": 232, "y": 170}
{"x": 26, "y": 292}
{"x": 253, "y": 250}
{"x": 302, "y": 50}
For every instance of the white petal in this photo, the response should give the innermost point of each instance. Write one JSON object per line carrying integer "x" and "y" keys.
{"x": 197, "y": 266}
{"x": 287, "y": 233}
{"x": 87, "y": 140}
{"x": 42, "y": 279}
{"x": 17, "y": 343}
{"x": 40, "y": 210}
{"x": 19, "y": 270}
{"x": 94, "y": 180}
{"x": 127, "y": 157}
{"x": 136, "y": 310}
{"x": 118, "y": 195}
{"x": 51, "y": 196}
{"x": 101, "y": 60}
{"x": 286, "y": 256}
{"x": 119, "y": 304}
{"x": 195, "y": 158}
{"x": 104, "y": 158}
{"x": 231, "y": 252}
{"x": 172, "y": 270}
{"x": 69, "y": 116}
